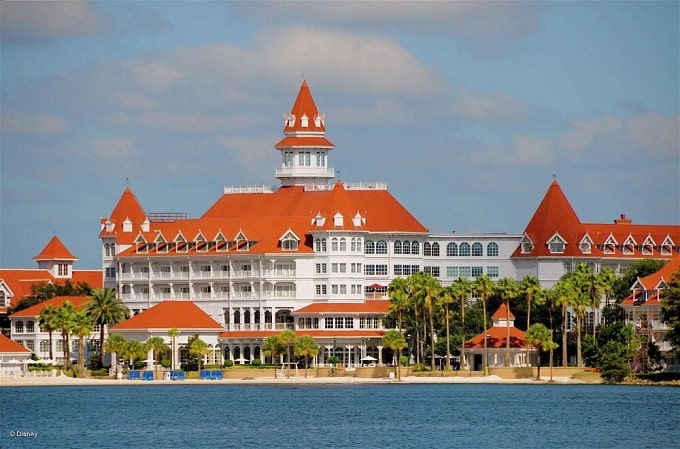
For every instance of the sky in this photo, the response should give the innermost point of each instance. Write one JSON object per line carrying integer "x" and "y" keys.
{"x": 465, "y": 109}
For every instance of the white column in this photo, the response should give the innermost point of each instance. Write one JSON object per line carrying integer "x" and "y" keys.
{"x": 380, "y": 360}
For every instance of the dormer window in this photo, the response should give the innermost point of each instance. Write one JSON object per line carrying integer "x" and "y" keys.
{"x": 201, "y": 243}
{"x": 648, "y": 246}
{"x": 290, "y": 120}
{"x": 304, "y": 121}
{"x": 220, "y": 243}
{"x": 358, "y": 220}
{"x": 629, "y": 245}
{"x": 610, "y": 245}
{"x": 161, "y": 244}
{"x": 289, "y": 241}
{"x": 146, "y": 225}
{"x": 556, "y": 244}
{"x": 319, "y": 220}
{"x": 338, "y": 219}
{"x": 667, "y": 247}
{"x": 319, "y": 121}
{"x": 241, "y": 242}
{"x": 526, "y": 245}
{"x": 586, "y": 245}
{"x": 181, "y": 244}
{"x": 140, "y": 244}
{"x": 127, "y": 225}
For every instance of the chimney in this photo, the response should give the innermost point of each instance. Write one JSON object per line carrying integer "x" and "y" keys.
{"x": 623, "y": 220}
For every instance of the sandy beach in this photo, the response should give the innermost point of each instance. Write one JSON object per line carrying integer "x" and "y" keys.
{"x": 69, "y": 381}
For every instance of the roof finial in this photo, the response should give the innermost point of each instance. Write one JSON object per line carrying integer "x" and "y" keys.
{"x": 554, "y": 176}
{"x": 127, "y": 182}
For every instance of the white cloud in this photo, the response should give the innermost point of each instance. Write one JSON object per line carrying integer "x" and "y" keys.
{"x": 156, "y": 76}
{"x": 43, "y": 21}
{"x": 112, "y": 147}
{"x": 34, "y": 124}
{"x": 494, "y": 108}
{"x": 583, "y": 132}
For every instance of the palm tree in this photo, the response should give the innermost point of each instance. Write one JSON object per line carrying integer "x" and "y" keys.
{"x": 105, "y": 309}
{"x": 462, "y": 290}
{"x": 133, "y": 350}
{"x": 540, "y": 337}
{"x": 484, "y": 287}
{"x": 562, "y": 296}
{"x": 116, "y": 345}
{"x": 199, "y": 349}
{"x": 173, "y": 334}
{"x": 48, "y": 321}
{"x": 445, "y": 299}
{"x": 531, "y": 287}
{"x": 428, "y": 289}
{"x": 394, "y": 340}
{"x": 508, "y": 289}
{"x": 592, "y": 287}
{"x": 399, "y": 299}
{"x": 158, "y": 346}
{"x": 287, "y": 338}
{"x": 65, "y": 323}
{"x": 271, "y": 346}
{"x": 607, "y": 278}
{"x": 305, "y": 346}
{"x": 82, "y": 327}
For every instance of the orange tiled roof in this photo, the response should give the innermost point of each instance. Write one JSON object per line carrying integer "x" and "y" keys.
{"x": 20, "y": 281}
{"x": 304, "y": 105}
{"x": 127, "y": 208}
{"x": 8, "y": 346}
{"x": 56, "y": 302}
{"x": 55, "y": 250}
{"x": 371, "y": 306}
{"x": 501, "y": 314}
{"x": 316, "y": 333}
{"x": 93, "y": 278}
{"x": 497, "y": 335}
{"x": 169, "y": 315}
{"x": 555, "y": 215}
{"x": 304, "y": 141}
{"x": 653, "y": 282}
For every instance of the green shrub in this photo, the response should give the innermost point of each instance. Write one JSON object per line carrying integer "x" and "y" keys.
{"x": 404, "y": 360}
{"x": 139, "y": 364}
{"x": 333, "y": 359}
{"x": 256, "y": 363}
{"x": 165, "y": 363}
{"x": 228, "y": 363}
{"x": 102, "y": 372}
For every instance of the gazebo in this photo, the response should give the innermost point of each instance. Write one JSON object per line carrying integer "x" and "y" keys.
{"x": 478, "y": 358}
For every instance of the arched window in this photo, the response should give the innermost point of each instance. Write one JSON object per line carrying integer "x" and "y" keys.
{"x": 415, "y": 248}
{"x": 30, "y": 326}
{"x": 320, "y": 245}
{"x": 334, "y": 244}
{"x": 435, "y": 249}
{"x": 464, "y": 249}
{"x": 381, "y": 247}
{"x": 452, "y": 249}
{"x": 406, "y": 247}
{"x": 492, "y": 249}
{"x": 477, "y": 249}
{"x": 343, "y": 244}
{"x": 427, "y": 249}
{"x": 397, "y": 247}
{"x": 369, "y": 247}
{"x": 19, "y": 327}
{"x": 356, "y": 244}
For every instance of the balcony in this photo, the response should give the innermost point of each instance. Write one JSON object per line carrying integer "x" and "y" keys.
{"x": 311, "y": 171}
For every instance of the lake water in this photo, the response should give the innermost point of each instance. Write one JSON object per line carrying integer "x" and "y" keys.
{"x": 340, "y": 416}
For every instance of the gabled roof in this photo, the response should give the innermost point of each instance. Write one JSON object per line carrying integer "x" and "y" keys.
{"x": 55, "y": 250}
{"x": 127, "y": 208}
{"x": 497, "y": 335}
{"x": 78, "y": 302}
{"x": 555, "y": 215}
{"x": 93, "y": 278}
{"x": 169, "y": 315}
{"x": 653, "y": 282}
{"x": 370, "y": 306}
{"x": 21, "y": 280}
{"x": 8, "y": 346}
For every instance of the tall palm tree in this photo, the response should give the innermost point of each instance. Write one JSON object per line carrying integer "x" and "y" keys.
{"x": 199, "y": 349}
{"x": 305, "y": 346}
{"x": 446, "y": 298}
{"x": 508, "y": 289}
{"x": 287, "y": 338}
{"x": 115, "y": 344}
{"x": 82, "y": 327}
{"x": 416, "y": 297}
{"x": 158, "y": 346}
{"x": 48, "y": 321}
{"x": 530, "y": 286}
{"x": 105, "y": 309}
{"x": 399, "y": 298}
{"x": 65, "y": 323}
{"x": 173, "y": 334}
{"x": 484, "y": 288}
{"x": 133, "y": 350}
{"x": 591, "y": 286}
{"x": 428, "y": 290}
{"x": 272, "y": 346}
{"x": 394, "y": 340}
{"x": 607, "y": 278}
{"x": 562, "y": 296}
{"x": 462, "y": 290}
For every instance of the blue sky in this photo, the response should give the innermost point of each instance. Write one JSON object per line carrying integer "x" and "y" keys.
{"x": 465, "y": 109}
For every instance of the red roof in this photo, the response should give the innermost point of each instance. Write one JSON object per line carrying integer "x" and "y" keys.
{"x": 316, "y": 333}
{"x": 304, "y": 106}
{"x": 93, "y": 278}
{"x": 78, "y": 302}
{"x": 55, "y": 250}
{"x": 556, "y": 217}
{"x": 654, "y": 281}
{"x": 497, "y": 335}
{"x": 371, "y": 306}
{"x": 501, "y": 314}
{"x": 169, "y": 315}
{"x": 8, "y": 346}
{"x": 19, "y": 281}
{"x": 128, "y": 208}
{"x": 304, "y": 141}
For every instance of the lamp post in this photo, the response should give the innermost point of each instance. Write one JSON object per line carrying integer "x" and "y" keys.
{"x": 362, "y": 351}
{"x": 408, "y": 347}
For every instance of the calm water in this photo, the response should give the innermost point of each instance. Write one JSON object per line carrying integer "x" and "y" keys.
{"x": 351, "y": 416}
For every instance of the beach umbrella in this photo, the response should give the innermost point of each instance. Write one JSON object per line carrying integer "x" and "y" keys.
{"x": 368, "y": 358}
